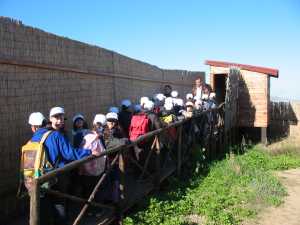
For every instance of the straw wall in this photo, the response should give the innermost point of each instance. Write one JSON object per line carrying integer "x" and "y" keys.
{"x": 39, "y": 70}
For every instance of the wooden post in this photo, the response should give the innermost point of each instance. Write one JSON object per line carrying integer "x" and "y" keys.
{"x": 264, "y": 139}
{"x": 35, "y": 203}
{"x": 157, "y": 163}
{"x": 179, "y": 147}
{"x": 121, "y": 187}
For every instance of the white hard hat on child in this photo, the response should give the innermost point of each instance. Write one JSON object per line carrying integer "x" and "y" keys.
{"x": 149, "y": 105}
{"x": 168, "y": 106}
{"x": 178, "y": 102}
{"x": 114, "y": 109}
{"x": 126, "y": 103}
{"x": 212, "y": 95}
{"x": 160, "y": 97}
{"x": 169, "y": 100}
{"x": 56, "y": 110}
{"x": 78, "y": 116}
{"x": 205, "y": 96}
{"x": 36, "y": 119}
{"x": 196, "y": 98}
{"x": 174, "y": 94}
{"x": 198, "y": 102}
{"x": 143, "y": 100}
{"x": 99, "y": 118}
{"x": 189, "y": 96}
{"x": 111, "y": 116}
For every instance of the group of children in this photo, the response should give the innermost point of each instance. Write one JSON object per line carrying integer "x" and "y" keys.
{"x": 119, "y": 126}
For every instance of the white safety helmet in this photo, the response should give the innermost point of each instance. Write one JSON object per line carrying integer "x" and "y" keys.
{"x": 169, "y": 100}
{"x": 212, "y": 95}
{"x": 160, "y": 97}
{"x": 168, "y": 106}
{"x": 36, "y": 119}
{"x": 189, "y": 96}
{"x": 204, "y": 96}
{"x": 56, "y": 110}
{"x": 149, "y": 105}
{"x": 99, "y": 118}
{"x": 178, "y": 102}
{"x": 111, "y": 116}
{"x": 143, "y": 100}
{"x": 174, "y": 94}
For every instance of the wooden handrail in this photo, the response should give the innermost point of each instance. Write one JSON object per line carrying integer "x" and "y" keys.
{"x": 34, "y": 204}
{"x": 144, "y": 137}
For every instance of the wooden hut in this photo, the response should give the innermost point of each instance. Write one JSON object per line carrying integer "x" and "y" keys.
{"x": 254, "y": 92}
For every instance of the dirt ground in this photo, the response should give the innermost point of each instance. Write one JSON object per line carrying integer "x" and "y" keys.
{"x": 289, "y": 212}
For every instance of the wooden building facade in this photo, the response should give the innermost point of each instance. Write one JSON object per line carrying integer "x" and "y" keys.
{"x": 254, "y": 91}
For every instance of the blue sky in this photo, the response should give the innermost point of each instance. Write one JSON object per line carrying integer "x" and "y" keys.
{"x": 180, "y": 34}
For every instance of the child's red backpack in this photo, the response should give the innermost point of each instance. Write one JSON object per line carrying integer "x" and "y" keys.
{"x": 139, "y": 126}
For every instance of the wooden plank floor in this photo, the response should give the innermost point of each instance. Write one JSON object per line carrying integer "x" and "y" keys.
{"x": 135, "y": 190}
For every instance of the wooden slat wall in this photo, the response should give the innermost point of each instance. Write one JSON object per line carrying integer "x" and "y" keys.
{"x": 254, "y": 97}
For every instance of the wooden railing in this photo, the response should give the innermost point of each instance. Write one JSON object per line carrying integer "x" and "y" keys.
{"x": 164, "y": 155}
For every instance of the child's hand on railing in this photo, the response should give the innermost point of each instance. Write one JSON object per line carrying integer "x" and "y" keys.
{"x": 95, "y": 152}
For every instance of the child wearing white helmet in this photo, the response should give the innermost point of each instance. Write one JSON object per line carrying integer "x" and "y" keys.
{"x": 99, "y": 124}
{"x": 113, "y": 136}
{"x": 189, "y": 97}
{"x": 174, "y": 94}
{"x": 159, "y": 100}
{"x": 189, "y": 107}
{"x": 143, "y": 101}
{"x": 178, "y": 105}
{"x": 90, "y": 171}
{"x": 198, "y": 105}
{"x": 37, "y": 120}
{"x": 59, "y": 152}
{"x": 57, "y": 118}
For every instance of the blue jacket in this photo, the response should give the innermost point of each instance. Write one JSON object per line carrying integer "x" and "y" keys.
{"x": 58, "y": 147}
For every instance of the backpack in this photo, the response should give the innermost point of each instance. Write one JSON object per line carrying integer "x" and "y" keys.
{"x": 139, "y": 126}
{"x": 34, "y": 162}
{"x": 172, "y": 130}
{"x": 167, "y": 119}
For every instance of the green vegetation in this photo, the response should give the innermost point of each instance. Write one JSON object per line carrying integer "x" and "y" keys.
{"x": 222, "y": 192}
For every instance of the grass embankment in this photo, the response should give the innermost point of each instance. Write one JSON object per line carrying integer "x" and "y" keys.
{"x": 221, "y": 193}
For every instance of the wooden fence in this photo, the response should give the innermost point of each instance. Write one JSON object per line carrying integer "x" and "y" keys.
{"x": 164, "y": 156}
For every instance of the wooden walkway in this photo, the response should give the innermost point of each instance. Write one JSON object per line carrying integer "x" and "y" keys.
{"x": 165, "y": 156}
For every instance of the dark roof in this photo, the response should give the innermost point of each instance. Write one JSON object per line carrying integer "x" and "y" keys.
{"x": 265, "y": 70}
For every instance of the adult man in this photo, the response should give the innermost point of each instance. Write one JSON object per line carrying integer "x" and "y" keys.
{"x": 167, "y": 90}
{"x": 198, "y": 88}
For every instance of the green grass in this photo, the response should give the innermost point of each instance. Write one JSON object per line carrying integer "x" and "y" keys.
{"x": 221, "y": 193}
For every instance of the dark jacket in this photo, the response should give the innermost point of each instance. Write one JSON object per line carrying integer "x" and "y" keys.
{"x": 154, "y": 121}
{"x": 124, "y": 120}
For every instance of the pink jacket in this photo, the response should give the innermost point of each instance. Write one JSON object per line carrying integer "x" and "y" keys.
{"x": 96, "y": 166}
